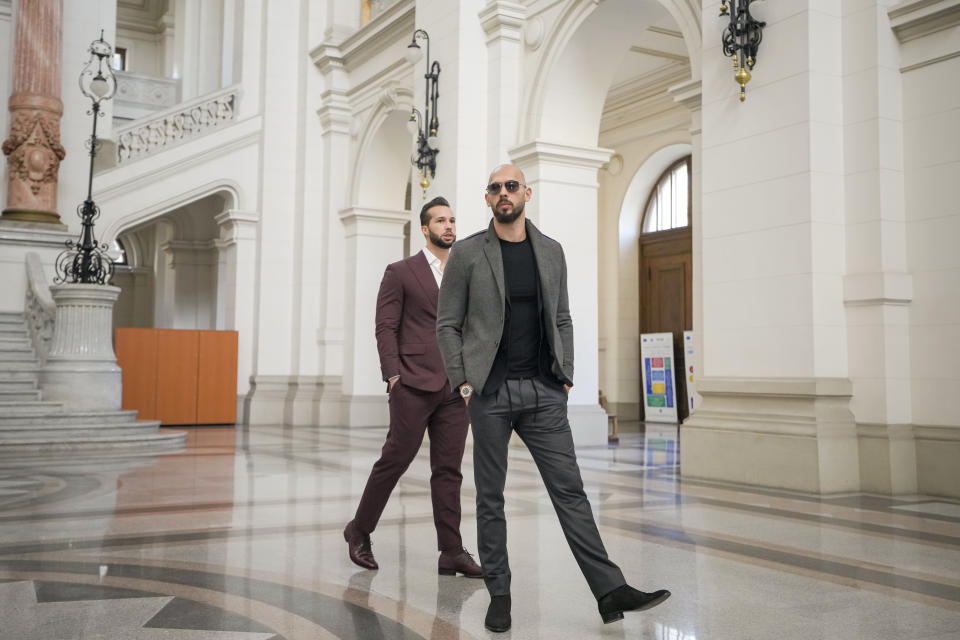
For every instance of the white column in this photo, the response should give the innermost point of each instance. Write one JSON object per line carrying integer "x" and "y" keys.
{"x": 690, "y": 95}
{"x": 237, "y": 269}
{"x": 457, "y": 42}
{"x": 81, "y": 369}
{"x": 374, "y": 240}
{"x": 502, "y": 22}
{"x": 774, "y": 380}
{"x": 564, "y": 206}
{"x": 877, "y": 287}
{"x": 335, "y": 119}
{"x": 277, "y": 325}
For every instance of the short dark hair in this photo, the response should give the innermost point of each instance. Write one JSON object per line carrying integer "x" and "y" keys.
{"x": 439, "y": 201}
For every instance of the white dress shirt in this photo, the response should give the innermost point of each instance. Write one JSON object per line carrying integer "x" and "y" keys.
{"x": 434, "y": 263}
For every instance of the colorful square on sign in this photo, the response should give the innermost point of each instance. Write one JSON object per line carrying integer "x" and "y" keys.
{"x": 656, "y": 362}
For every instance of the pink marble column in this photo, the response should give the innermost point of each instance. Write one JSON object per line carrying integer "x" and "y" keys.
{"x": 33, "y": 148}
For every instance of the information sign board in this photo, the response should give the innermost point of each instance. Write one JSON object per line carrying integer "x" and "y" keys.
{"x": 659, "y": 386}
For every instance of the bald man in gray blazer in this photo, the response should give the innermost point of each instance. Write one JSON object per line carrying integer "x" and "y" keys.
{"x": 506, "y": 337}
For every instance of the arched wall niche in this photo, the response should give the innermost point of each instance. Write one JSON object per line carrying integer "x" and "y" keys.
{"x": 382, "y": 168}
{"x": 576, "y": 69}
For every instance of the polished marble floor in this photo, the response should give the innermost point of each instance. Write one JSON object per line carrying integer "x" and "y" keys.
{"x": 239, "y": 537}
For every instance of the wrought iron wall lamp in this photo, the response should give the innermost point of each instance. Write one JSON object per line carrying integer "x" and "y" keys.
{"x": 425, "y": 125}
{"x": 86, "y": 261}
{"x": 741, "y": 40}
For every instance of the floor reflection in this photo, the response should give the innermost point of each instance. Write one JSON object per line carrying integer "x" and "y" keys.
{"x": 246, "y": 524}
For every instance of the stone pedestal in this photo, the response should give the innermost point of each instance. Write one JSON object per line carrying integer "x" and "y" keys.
{"x": 81, "y": 370}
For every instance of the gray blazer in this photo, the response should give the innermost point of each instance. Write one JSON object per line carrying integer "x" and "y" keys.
{"x": 472, "y": 306}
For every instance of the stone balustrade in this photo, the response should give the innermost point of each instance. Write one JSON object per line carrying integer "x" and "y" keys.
{"x": 173, "y": 126}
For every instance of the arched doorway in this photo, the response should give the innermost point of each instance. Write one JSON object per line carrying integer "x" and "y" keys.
{"x": 666, "y": 266}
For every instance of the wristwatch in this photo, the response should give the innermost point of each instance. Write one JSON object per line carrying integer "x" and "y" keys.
{"x": 466, "y": 391}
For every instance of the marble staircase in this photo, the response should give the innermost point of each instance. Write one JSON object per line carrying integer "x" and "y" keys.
{"x": 29, "y": 425}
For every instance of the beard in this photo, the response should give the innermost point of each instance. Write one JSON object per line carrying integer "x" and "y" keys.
{"x": 439, "y": 242}
{"x": 507, "y": 217}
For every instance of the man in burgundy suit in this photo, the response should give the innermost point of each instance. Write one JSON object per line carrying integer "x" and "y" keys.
{"x": 420, "y": 399}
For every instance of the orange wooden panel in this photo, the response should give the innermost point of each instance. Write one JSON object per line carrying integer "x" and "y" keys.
{"x": 177, "y": 352}
{"x": 136, "y": 351}
{"x": 217, "y": 382}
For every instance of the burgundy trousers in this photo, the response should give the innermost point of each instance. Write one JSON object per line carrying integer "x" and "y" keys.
{"x": 414, "y": 412}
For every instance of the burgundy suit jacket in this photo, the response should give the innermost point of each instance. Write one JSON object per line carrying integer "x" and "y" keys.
{"x": 407, "y": 325}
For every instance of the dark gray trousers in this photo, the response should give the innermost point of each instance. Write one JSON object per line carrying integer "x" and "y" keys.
{"x": 537, "y": 410}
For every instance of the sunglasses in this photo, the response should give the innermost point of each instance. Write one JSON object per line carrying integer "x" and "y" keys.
{"x": 512, "y": 187}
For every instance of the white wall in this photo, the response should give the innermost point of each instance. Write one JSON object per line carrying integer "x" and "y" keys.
{"x": 932, "y": 182}
{"x": 773, "y": 252}
{"x": 145, "y": 51}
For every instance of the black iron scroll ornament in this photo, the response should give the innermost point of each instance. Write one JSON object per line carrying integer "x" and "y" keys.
{"x": 741, "y": 40}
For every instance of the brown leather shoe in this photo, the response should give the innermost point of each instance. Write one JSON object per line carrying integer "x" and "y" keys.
{"x": 458, "y": 561}
{"x": 358, "y": 544}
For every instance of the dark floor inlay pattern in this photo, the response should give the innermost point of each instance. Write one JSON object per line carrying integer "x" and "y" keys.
{"x": 187, "y": 614}
{"x": 343, "y": 619}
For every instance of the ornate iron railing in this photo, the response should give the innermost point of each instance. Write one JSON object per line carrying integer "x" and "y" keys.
{"x": 41, "y": 310}
{"x": 173, "y": 126}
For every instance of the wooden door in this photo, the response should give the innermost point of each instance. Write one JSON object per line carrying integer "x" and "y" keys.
{"x": 666, "y": 295}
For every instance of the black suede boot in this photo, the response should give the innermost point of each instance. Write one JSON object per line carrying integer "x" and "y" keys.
{"x": 626, "y": 598}
{"x": 498, "y": 614}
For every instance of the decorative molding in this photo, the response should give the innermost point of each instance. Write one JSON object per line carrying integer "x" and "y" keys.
{"x": 918, "y": 18}
{"x": 650, "y": 86}
{"x": 502, "y": 19}
{"x": 660, "y": 53}
{"x": 381, "y": 33}
{"x": 540, "y": 150}
{"x": 533, "y": 32}
{"x": 378, "y": 7}
{"x": 33, "y": 148}
{"x": 172, "y": 127}
{"x": 874, "y": 289}
{"x": 665, "y": 32}
{"x": 689, "y": 94}
{"x": 369, "y": 222}
{"x": 942, "y": 433}
{"x": 32, "y": 234}
{"x": 233, "y": 223}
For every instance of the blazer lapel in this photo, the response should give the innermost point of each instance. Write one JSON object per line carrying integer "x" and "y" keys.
{"x": 491, "y": 248}
{"x": 423, "y": 272}
{"x": 544, "y": 262}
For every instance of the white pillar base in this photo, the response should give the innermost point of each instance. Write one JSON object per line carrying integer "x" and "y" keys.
{"x": 365, "y": 411}
{"x": 81, "y": 370}
{"x": 588, "y": 422}
{"x": 794, "y": 434}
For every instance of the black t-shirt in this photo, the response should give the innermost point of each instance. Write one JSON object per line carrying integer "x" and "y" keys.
{"x": 522, "y": 330}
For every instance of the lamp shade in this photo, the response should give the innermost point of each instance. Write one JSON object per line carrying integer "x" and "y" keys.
{"x": 434, "y": 139}
{"x": 99, "y": 86}
{"x": 413, "y": 53}
{"x": 412, "y": 126}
